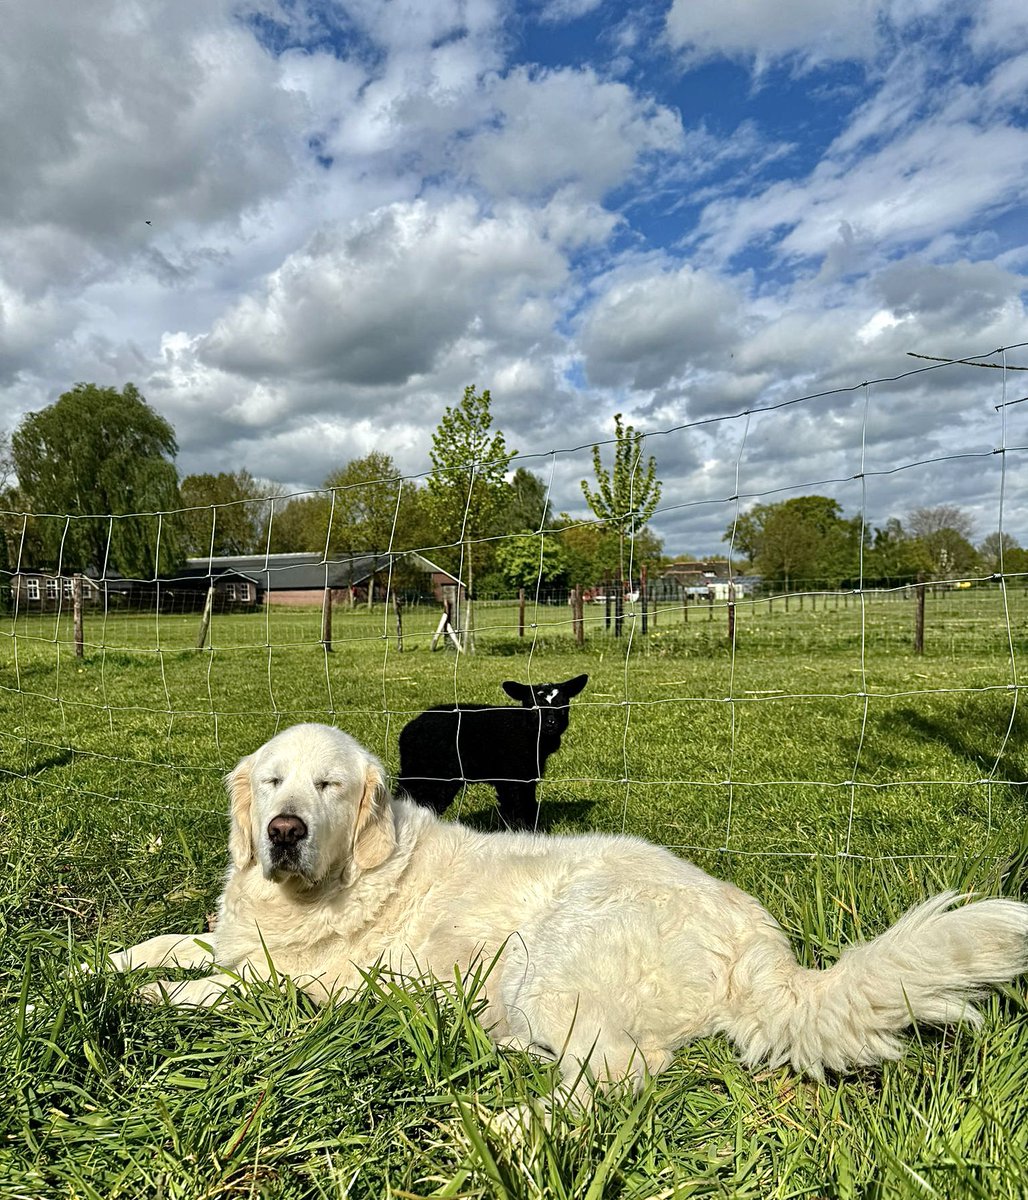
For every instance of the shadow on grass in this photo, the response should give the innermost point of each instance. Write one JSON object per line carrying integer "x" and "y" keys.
{"x": 960, "y": 734}
{"x": 553, "y": 814}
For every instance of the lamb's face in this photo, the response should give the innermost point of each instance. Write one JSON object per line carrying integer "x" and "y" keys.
{"x": 553, "y": 707}
{"x": 552, "y": 701}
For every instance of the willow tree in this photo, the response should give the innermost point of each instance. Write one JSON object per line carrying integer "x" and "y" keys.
{"x": 468, "y": 484}
{"x": 627, "y": 495}
{"x": 99, "y": 464}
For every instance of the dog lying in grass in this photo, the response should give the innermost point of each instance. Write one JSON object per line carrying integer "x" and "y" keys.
{"x": 607, "y": 953}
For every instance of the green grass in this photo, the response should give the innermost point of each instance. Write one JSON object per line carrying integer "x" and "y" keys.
{"x": 821, "y": 765}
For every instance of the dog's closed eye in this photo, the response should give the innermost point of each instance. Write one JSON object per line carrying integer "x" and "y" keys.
{"x": 324, "y": 784}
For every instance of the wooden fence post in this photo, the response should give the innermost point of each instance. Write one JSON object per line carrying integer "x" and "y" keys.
{"x": 731, "y": 614}
{"x": 578, "y": 614}
{"x": 619, "y": 602}
{"x": 398, "y": 607}
{"x": 205, "y": 617}
{"x": 326, "y": 618}
{"x": 521, "y": 612}
{"x": 76, "y": 613}
{"x": 919, "y": 592}
{"x": 642, "y": 596}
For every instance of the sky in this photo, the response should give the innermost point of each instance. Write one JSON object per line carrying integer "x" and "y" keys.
{"x": 302, "y": 227}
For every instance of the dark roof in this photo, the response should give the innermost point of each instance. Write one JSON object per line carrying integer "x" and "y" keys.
{"x": 304, "y": 572}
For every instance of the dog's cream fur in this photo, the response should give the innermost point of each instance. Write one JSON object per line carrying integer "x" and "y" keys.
{"x": 608, "y": 952}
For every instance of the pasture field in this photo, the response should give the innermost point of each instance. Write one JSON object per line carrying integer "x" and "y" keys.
{"x": 820, "y": 765}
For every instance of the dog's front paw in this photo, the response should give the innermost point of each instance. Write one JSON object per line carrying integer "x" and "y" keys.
{"x": 119, "y": 960}
{"x": 187, "y": 993}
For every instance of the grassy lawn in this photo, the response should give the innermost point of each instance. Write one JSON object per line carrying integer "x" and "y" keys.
{"x": 820, "y": 764}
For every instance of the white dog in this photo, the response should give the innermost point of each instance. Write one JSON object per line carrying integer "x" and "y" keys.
{"x": 608, "y": 952}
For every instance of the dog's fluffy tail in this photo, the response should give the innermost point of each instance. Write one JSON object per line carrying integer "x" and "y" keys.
{"x": 927, "y": 968}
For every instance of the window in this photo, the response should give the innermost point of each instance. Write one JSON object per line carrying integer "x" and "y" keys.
{"x": 51, "y": 589}
{"x": 69, "y": 588}
{"x": 243, "y": 592}
{"x": 32, "y": 589}
{"x": 230, "y": 591}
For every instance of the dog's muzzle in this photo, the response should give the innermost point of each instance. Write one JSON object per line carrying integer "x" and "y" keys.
{"x": 286, "y": 834}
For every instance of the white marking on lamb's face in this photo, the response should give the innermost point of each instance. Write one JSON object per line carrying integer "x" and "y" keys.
{"x": 552, "y": 695}
{"x": 317, "y": 775}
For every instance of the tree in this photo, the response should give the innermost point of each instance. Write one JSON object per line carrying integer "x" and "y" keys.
{"x": 949, "y": 553}
{"x": 6, "y": 462}
{"x": 101, "y": 462}
{"x": 296, "y": 525}
{"x": 366, "y": 494}
{"x": 529, "y": 505}
{"x": 893, "y": 556}
{"x": 531, "y": 560}
{"x": 1002, "y": 551}
{"x": 593, "y": 552}
{"x": 628, "y": 495}
{"x": 944, "y": 533}
{"x": 803, "y": 540}
{"x": 923, "y": 522}
{"x": 225, "y": 513}
{"x": 468, "y": 486}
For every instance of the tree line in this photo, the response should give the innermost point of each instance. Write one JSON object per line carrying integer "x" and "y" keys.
{"x": 808, "y": 543}
{"x": 90, "y": 483}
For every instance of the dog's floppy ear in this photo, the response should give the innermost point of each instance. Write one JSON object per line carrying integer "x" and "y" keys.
{"x": 376, "y": 832}
{"x": 240, "y": 793}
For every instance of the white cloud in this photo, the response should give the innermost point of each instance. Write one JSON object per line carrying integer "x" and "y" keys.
{"x": 380, "y": 302}
{"x": 552, "y": 129}
{"x": 818, "y": 30}
{"x": 161, "y": 112}
{"x": 651, "y": 326}
{"x": 911, "y": 182}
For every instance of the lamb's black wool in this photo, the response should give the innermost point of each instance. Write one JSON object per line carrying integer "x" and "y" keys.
{"x": 453, "y": 744}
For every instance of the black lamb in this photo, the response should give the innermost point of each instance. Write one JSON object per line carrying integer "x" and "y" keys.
{"x": 452, "y": 744}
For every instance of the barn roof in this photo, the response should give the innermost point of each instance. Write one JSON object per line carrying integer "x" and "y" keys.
{"x": 307, "y": 571}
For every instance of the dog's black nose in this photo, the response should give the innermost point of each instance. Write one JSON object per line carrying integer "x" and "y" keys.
{"x": 286, "y": 830}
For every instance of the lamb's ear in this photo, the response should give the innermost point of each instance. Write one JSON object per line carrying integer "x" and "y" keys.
{"x": 520, "y": 692}
{"x": 574, "y": 686}
{"x": 240, "y": 794}
{"x": 375, "y": 839}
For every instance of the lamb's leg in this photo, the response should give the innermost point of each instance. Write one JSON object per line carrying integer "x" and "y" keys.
{"x": 431, "y": 793}
{"x": 519, "y": 808}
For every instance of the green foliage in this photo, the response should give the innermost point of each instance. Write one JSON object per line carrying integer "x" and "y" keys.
{"x": 373, "y": 509}
{"x": 950, "y": 555}
{"x": 532, "y": 560}
{"x": 226, "y": 513}
{"x": 298, "y": 524}
{"x": 593, "y": 552}
{"x": 1002, "y": 552}
{"x": 627, "y": 495}
{"x": 801, "y": 542}
{"x": 528, "y": 505}
{"x": 368, "y": 505}
{"x": 468, "y": 486}
{"x": 806, "y": 542}
{"x": 100, "y": 462}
